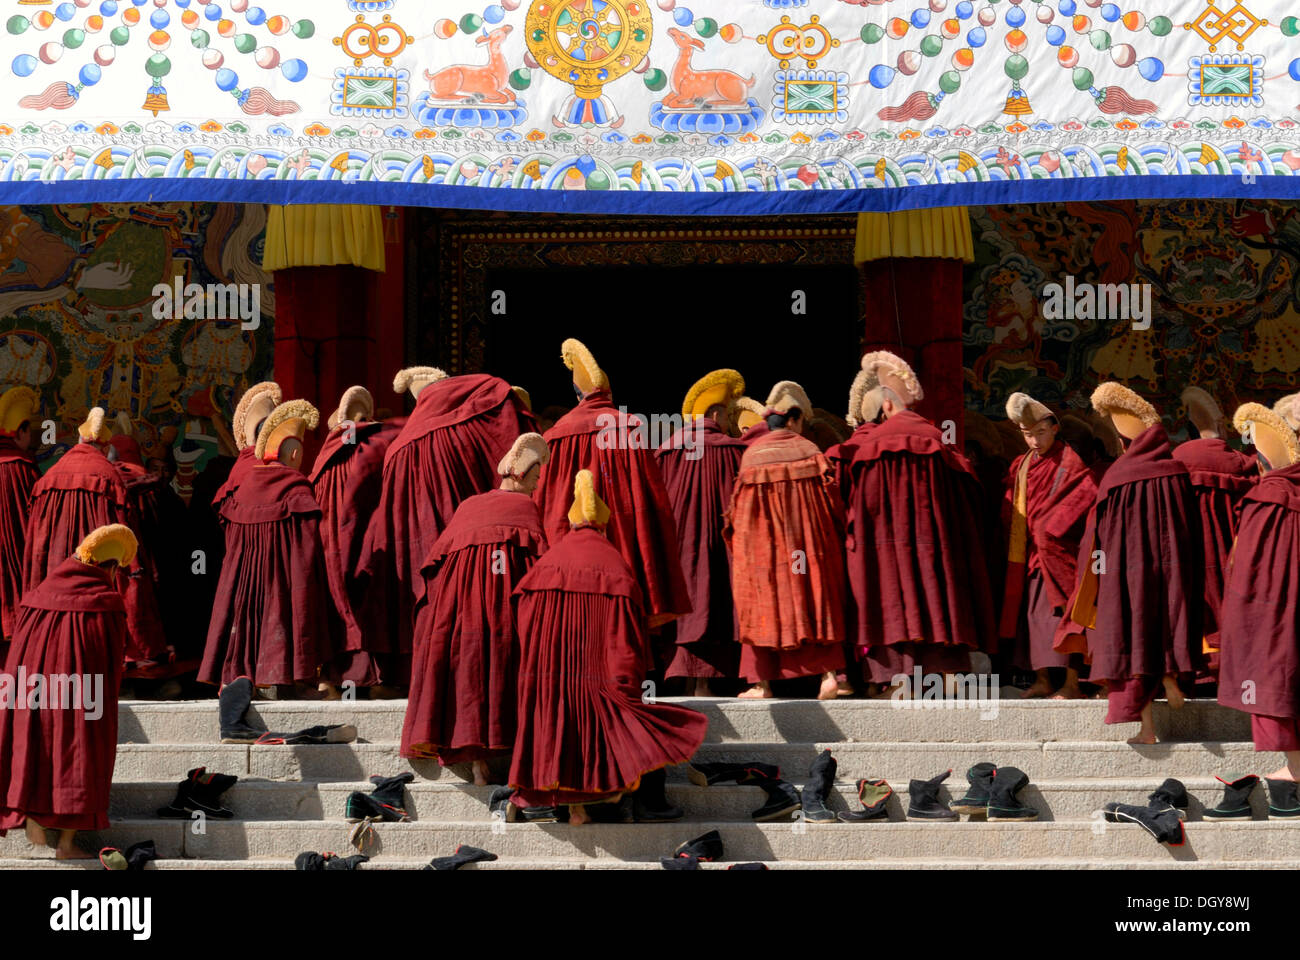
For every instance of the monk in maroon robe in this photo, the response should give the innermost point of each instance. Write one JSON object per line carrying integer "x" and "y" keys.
{"x": 253, "y": 408}
{"x": 918, "y": 572}
{"x": 1049, "y": 491}
{"x": 699, "y": 466}
{"x": 585, "y": 733}
{"x": 785, "y": 528}
{"x": 58, "y": 745}
{"x": 599, "y": 437}
{"x": 464, "y": 679}
{"x": 1259, "y": 635}
{"x": 1220, "y": 477}
{"x": 270, "y": 621}
{"x": 347, "y": 482}
{"x": 447, "y": 451}
{"x": 18, "y": 474}
{"x": 749, "y": 419}
{"x": 1140, "y": 569}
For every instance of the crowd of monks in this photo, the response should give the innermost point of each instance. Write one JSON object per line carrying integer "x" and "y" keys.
{"x": 522, "y": 588}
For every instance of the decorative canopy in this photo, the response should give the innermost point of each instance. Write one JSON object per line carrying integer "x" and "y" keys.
{"x": 648, "y": 106}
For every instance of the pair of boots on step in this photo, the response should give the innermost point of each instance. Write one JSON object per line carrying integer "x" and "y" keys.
{"x": 993, "y": 791}
{"x": 1282, "y": 799}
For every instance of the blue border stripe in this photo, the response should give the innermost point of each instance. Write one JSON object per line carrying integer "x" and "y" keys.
{"x": 161, "y": 190}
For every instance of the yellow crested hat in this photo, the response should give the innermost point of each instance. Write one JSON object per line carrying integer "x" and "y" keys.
{"x": 416, "y": 379}
{"x": 865, "y": 397}
{"x": 292, "y": 419}
{"x": 524, "y": 397}
{"x": 355, "y": 404}
{"x": 17, "y": 406}
{"x": 1203, "y": 410}
{"x": 113, "y": 542}
{"x": 787, "y": 395}
{"x": 1271, "y": 434}
{"x": 1024, "y": 411}
{"x": 528, "y": 450}
{"x": 1131, "y": 415}
{"x": 587, "y": 506}
{"x": 720, "y": 387}
{"x": 254, "y": 406}
{"x": 749, "y": 413}
{"x": 1289, "y": 410}
{"x": 95, "y": 429}
{"x": 892, "y": 371}
{"x": 586, "y": 372}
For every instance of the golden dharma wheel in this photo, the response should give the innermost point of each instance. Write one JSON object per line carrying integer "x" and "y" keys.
{"x": 588, "y": 43}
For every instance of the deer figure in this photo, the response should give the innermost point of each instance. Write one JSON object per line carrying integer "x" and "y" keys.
{"x": 702, "y": 88}
{"x": 472, "y": 83}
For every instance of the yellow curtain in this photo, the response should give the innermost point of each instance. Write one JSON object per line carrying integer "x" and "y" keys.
{"x": 941, "y": 232}
{"x": 319, "y": 235}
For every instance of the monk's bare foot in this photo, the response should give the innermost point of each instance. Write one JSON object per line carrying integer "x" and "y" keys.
{"x": 830, "y": 688}
{"x": 1070, "y": 691}
{"x": 759, "y": 691}
{"x": 1142, "y": 738}
{"x": 844, "y": 688}
{"x": 480, "y": 769}
{"x": 1172, "y": 693}
{"x": 1281, "y": 773}
{"x": 35, "y": 833}
{"x": 1040, "y": 689}
{"x": 72, "y": 853}
{"x": 329, "y": 692}
{"x": 578, "y": 814}
{"x": 702, "y": 688}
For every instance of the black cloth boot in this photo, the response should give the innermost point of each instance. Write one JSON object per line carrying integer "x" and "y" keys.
{"x": 924, "y": 803}
{"x": 1163, "y": 824}
{"x": 976, "y": 800}
{"x": 874, "y": 794}
{"x": 327, "y": 861}
{"x": 321, "y": 733}
{"x": 748, "y": 866}
{"x": 821, "y": 780}
{"x": 233, "y": 704}
{"x": 1235, "y": 804}
{"x": 706, "y": 848}
{"x": 650, "y": 802}
{"x": 387, "y": 802}
{"x": 138, "y": 854}
{"x": 782, "y": 800}
{"x": 464, "y": 854}
{"x": 1003, "y": 804}
{"x": 1282, "y": 802}
{"x": 686, "y": 862}
{"x": 201, "y": 792}
{"x": 707, "y": 774}
{"x": 1170, "y": 794}
{"x": 499, "y": 805}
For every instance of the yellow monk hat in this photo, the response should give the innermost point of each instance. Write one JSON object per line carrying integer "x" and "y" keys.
{"x": 17, "y": 406}
{"x": 1289, "y": 410}
{"x": 416, "y": 379}
{"x": 95, "y": 428}
{"x": 892, "y": 371}
{"x": 1272, "y": 436}
{"x": 587, "y": 506}
{"x": 254, "y": 406}
{"x": 865, "y": 398}
{"x": 355, "y": 404}
{"x": 1025, "y": 412}
{"x": 718, "y": 388}
{"x": 292, "y": 419}
{"x": 586, "y": 372}
{"x": 113, "y": 542}
{"x": 787, "y": 395}
{"x": 1204, "y": 411}
{"x": 749, "y": 413}
{"x": 524, "y": 397}
{"x": 1131, "y": 415}
{"x": 528, "y": 451}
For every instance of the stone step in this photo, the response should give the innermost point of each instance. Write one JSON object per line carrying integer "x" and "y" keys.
{"x": 732, "y": 720}
{"x": 896, "y": 762}
{"x": 444, "y": 801}
{"x": 989, "y": 842}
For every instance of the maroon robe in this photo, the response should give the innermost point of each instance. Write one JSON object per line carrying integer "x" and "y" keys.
{"x": 1259, "y": 642}
{"x": 166, "y": 551}
{"x": 56, "y": 764}
{"x": 595, "y": 435}
{"x": 1145, "y": 608}
{"x": 1220, "y": 477}
{"x": 246, "y": 460}
{"x": 1059, "y": 492}
{"x": 80, "y": 493}
{"x": 916, "y": 560}
{"x": 699, "y": 489}
{"x": 448, "y": 450}
{"x": 347, "y": 482}
{"x": 585, "y": 733}
{"x": 841, "y": 458}
{"x": 270, "y": 622}
{"x": 464, "y": 678}
{"x": 18, "y": 474}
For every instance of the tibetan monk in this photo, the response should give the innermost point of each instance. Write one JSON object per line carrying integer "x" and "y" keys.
{"x": 1259, "y": 656}
{"x": 604, "y": 439}
{"x": 253, "y": 408}
{"x": 699, "y": 466}
{"x": 347, "y": 482}
{"x": 1220, "y": 477}
{"x": 920, "y": 580}
{"x": 1049, "y": 492}
{"x": 271, "y": 619}
{"x": 785, "y": 528}
{"x": 749, "y": 419}
{"x": 18, "y": 474}
{"x": 56, "y": 762}
{"x": 464, "y": 679}
{"x": 1140, "y": 569}
{"x": 447, "y": 451}
{"x": 585, "y": 733}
